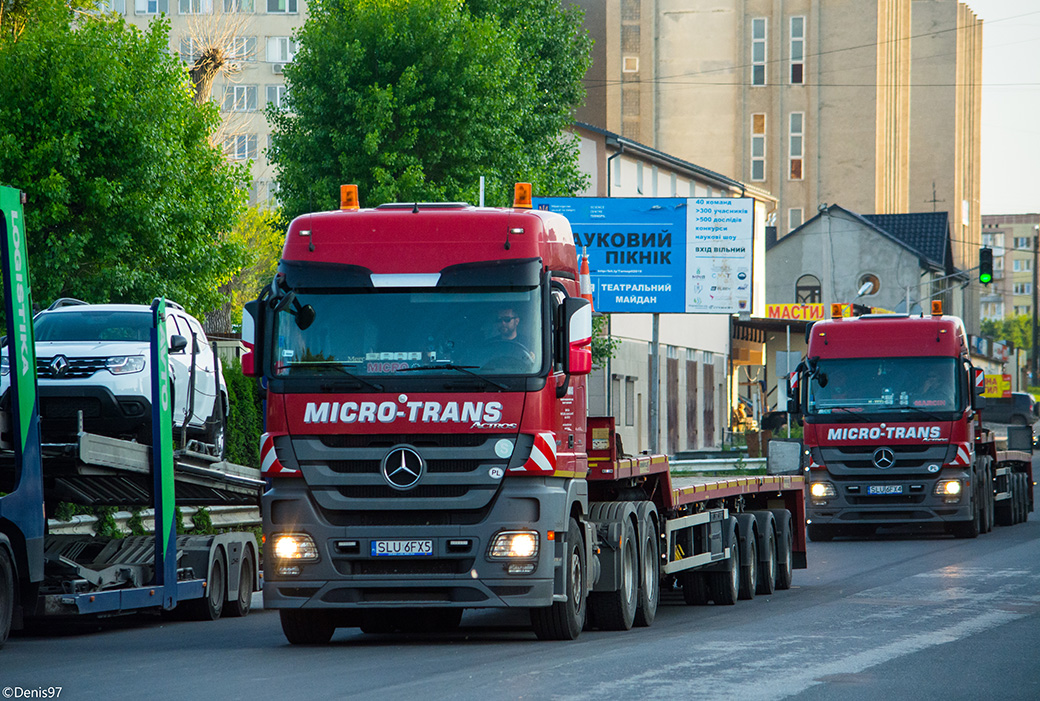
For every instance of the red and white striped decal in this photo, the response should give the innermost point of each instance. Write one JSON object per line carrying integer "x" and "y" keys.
{"x": 543, "y": 455}
{"x": 964, "y": 455}
{"x": 269, "y": 463}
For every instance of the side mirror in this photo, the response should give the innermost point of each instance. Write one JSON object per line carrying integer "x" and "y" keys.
{"x": 252, "y": 362}
{"x": 178, "y": 343}
{"x": 794, "y": 387}
{"x": 978, "y": 387}
{"x": 577, "y": 320}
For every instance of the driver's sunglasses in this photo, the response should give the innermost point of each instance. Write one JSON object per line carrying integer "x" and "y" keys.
{"x": 506, "y": 319}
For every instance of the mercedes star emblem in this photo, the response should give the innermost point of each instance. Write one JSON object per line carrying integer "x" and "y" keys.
{"x": 884, "y": 458}
{"x": 402, "y": 468}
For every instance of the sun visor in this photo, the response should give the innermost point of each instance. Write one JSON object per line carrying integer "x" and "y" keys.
{"x": 313, "y": 276}
{"x": 524, "y": 272}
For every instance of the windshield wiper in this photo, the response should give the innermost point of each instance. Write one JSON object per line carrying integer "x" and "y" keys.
{"x": 341, "y": 369}
{"x": 452, "y": 366}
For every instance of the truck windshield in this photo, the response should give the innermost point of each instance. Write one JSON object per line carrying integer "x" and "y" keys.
{"x": 876, "y": 385}
{"x": 368, "y": 332}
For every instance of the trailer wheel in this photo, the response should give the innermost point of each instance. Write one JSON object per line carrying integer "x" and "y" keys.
{"x": 726, "y": 584}
{"x": 6, "y": 595}
{"x": 767, "y": 564}
{"x": 749, "y": 564}
{"x": 209, "y": 607}
{"x": 990, "y": 503}
{"x": 241, "y": 605}
{"x": 695, "y": 588}
{"x": 563, "y": 620}
{"x": 784, "y": 548}
{"x": 1003, "y": 510}
{"x": 307, "y": 627}
{"x": 650, "y": 579}
{"x": 1017, "y": 492}
{"x": 616, "y": 610}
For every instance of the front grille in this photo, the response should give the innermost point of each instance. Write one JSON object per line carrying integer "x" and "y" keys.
{"x": 378, "y": 492}
{"x": 366, "y": 467}
{"x": 77, "y": 368}
{"x": 411, "y": 567}
{"x": 419, "y": 440}
{"x": 907, "y": 457}
{"x": 889, "y": 499}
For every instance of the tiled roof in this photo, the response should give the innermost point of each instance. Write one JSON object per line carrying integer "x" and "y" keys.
{"x": 924, "y": 232}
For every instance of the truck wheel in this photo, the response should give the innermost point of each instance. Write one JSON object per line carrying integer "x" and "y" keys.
{"x": 650, "y": 579}
{"x": 6, "y": 595}
{"x": 725, "y": 585}
{"x": 241, "y": 605}
{"x": 821, "y": 534}
{"x": 987, "y": 497}
{"x": 563, "y": 620}
{"x": 784, "y": 548}
{"x": 616, "y": 610}
{"x": 767, "y": 563}
{"x": 209, "y": 607}
{"x": 749, "y": 563}
{"x": 695, "y": 588}
{"x": 307, "y": 627}
{"x": 1003, "y": 510}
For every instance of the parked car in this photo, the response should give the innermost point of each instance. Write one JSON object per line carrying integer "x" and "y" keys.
{"x": 1020, "y": 409}
{"x": 94, "y": 358}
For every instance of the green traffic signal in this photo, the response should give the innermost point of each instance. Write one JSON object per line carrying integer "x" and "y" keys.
{"x": 985, "y": 265}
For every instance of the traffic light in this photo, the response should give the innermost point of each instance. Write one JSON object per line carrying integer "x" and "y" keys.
{"x": 985, "y": 265}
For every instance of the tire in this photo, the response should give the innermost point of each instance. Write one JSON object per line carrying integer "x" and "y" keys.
{"x": 766, "y": 583}
{"x": 7, "y": 590}
{"x": 971, "y": 527}
{"x": 1017, "y": 494}
{"x": 209, "y": 607}
{"x": 241, "y": 605}
{"x": 784, "y": 548}
{"x": 695, "y": 590}
{"x": 307, "y": 627}
{"x": 216, "y": 429}
{"x": 987, "y": 498}
{"x": 821, "y": 534}
{"x": 563, "y": 620}
{"x": 616, "y": 610}
{"x": 650, "y": 575}
{"x": 749, "y": 562}
{"x": 1004, "y": 510}
{"x": 725, "y": 585}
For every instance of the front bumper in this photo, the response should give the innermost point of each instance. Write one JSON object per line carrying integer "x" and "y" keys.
{"x": 916, "y": 504}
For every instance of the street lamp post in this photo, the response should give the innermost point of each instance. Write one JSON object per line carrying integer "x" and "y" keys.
{"x": 1036, "y": 259}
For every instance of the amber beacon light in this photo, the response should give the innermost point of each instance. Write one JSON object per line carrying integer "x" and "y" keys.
{"x": 348, "y": 198}
{"x": 522, "y": 196}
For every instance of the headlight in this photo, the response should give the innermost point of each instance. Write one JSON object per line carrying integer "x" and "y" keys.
{"x": 514, "y": 544}
{"x": 298, "y": 547}
{"x": 948, "y": 488}
{"x": 822, "y": 490}
{"x": 125, "y": 364}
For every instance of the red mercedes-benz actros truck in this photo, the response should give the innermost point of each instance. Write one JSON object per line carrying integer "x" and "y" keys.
{"x": 428, "y": 450}
{"x": 890, "y": 405}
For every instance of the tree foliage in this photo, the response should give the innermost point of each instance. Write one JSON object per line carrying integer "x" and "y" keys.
{"x": 414, "y": 100}
{"x": 1016, "y": 330}
{"x": 127, "y": 197}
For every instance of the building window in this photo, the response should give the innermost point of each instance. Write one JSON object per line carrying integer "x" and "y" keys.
{"x": 797, "y": 50}
{"x": 117, "y": 6}
{"x": 1023, "y": 311}
{"x": 868, "y": 279}
{"x": 151, "y": 7}
{"x": 807, "y": 290}
{"x": 1022, "y": 265}
{"x": 238, "y": 6}
{"x": 758, "y": 51}
{"x": 191, "y": 50}
{"x": 281, "y": 6}
{"x": 795, "y": 145}
{"x": 242, "y": 49}
{"x": 758, "y": 147}
{"x": 794, "y": 218}
{"x": 241, "y": 147}
{"x": 1023, "y": 288}
{"x": 240, "y": 98}
{"x": 275, "y": 95}
{"x": 1023, "y": 243}
{"x": 280, "y": 49}
{"x": 630, "y": 401}
{"x": 196, "y": 7}
{"x": 630, "y": 64}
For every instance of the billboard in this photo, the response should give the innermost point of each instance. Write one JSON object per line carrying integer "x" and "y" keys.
{"x": 664, "y": 254}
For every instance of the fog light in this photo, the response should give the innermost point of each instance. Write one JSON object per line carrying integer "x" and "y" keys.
{"x": 289, "y": 570}
{"x": 514, "y": 544}
{"x": 822, "y": 490}
{"x": 295, "y": 546}
{"x": 520, "y": 568}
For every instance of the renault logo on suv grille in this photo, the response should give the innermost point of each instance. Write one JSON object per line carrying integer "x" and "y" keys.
{"x": 58, "y": 366}
{"x": 402, "y": 468}
{"x": 884, "y": 458}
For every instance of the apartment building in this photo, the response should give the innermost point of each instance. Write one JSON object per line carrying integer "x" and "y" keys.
{"x": 873, "y": 104}
{"x": 1013, "y": 240}
{"x": 257, "y": 37}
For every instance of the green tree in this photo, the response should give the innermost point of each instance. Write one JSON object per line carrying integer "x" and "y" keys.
{"x": 1017, "y": 330}
{"x": 415, "y": 100}
{"x": 127, "y": 196}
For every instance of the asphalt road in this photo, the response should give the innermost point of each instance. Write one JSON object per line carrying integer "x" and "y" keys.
{"x": 903, "y": 615}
